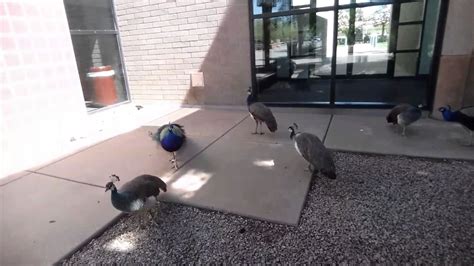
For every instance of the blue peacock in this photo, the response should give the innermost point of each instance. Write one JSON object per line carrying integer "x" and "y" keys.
{"x": 460, "y": 117}
{"x": 171, "y": 137}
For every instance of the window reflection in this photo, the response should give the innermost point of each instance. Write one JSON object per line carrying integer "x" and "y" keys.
{"x": 363, "y": 38}
{"x": 275, "y": 6}
{"x": 290, "y": 50}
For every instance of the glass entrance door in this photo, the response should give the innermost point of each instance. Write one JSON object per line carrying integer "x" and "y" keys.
{"x": 369, "y": 52}
{"x": 293, "y": 57}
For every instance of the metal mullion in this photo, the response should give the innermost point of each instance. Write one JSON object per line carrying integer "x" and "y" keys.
{"x": 332, "y": 88}
{"x": 411, "y": 23}
{"x": 253, "y": 71}
{"x": 293, "y": 12}
{"x": 327, "y": 8}
{"x": 438, "y": 46}
{"x": 393, "y": 38}
{"x": 120, "y": 51}
{"x": 421, "y": 39}
{"x": 407, "y": 51}
{"x": 388, "y": 2}
{"x": 93, "y": 32}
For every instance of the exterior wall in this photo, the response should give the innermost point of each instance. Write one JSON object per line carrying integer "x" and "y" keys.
{"x": 165, "y": 41}
{"x": 40, "y": 91}
{"x": 453, "y": 84}
{"x": 42, "y": 110}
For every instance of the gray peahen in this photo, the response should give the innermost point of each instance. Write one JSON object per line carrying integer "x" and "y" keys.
{"x": 313, "y": 151}
{"x": 171, "y": 137}
{"x": 140, "y": 193}
{"x": 404, "y": 115}
{"x": 261, "y": 114}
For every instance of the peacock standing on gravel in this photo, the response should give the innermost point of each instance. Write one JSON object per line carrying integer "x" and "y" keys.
{"x": 458, "y": 116}
{"x": 404, "y": 115}
{"x": 261, "y": 114}
{"x": 140, "y": 193}
{"x": 311, "y": 148}
{"x": 171, "y": 137}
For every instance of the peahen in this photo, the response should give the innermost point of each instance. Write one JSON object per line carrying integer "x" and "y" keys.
{"x": 261, "y": 114}
{"x": 171, "y": 137}
{"x": 459, "y": 117}
{"x": 140, "y": 193}
{"x": 404, "y": 115}
{"x": 313, "y": 151}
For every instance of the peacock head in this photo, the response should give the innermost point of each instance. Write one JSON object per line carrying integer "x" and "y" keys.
{"x": 446, "y": 112}
{"x": 292, "y": 130}
{"x": 250, "y": 97}
{"x": 110, "y": 186}
{"x": 444, "y": 109}
{"x": 114, "y": 178}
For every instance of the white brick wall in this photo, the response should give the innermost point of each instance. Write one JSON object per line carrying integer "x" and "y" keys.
{"x": 164, "y": 41}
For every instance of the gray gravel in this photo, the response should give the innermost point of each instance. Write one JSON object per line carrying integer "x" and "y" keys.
{"x": 379, "y": 209}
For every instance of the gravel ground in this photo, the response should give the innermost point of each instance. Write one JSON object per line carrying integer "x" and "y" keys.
{"x": 380, "y": 209}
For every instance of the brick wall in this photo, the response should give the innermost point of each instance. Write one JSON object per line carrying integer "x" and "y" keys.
{"x": 164, "y": 41}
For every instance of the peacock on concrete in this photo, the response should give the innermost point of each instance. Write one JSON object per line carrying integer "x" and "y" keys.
{"x": 171, "y": 137}
{"x": 404, "y": 115}
{"x": 458, "y": 116}
{"x": 261, "y": 114}
{"x": 140, "y": 193}
{"x": 311, "y": 148}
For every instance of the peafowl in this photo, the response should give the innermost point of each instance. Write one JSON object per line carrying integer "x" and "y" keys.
{"x": 171, "y": 137}
{"x": 261, "y": 114}
{"x": 459, "y": 117}
{"x": 404, "y": 115}
{"x": 140, "y": 193}
{"x": 313, "y": 151}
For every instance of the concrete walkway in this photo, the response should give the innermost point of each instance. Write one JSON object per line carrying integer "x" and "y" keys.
{"x": 48, "y": 211}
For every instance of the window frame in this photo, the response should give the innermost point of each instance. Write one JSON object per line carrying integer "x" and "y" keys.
{"x": 116, "y": 33}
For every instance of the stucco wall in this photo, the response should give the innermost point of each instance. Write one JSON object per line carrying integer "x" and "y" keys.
{"x": 165, "y": 41}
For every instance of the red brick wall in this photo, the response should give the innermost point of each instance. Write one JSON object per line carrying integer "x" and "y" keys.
{"x": 40, "y": 93}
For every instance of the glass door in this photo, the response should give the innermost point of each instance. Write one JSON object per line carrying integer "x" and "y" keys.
{"x": 293, "y": 55}
{"x": 343, "y": 52}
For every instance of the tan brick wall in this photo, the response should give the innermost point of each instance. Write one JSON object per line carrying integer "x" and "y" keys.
{"x": 164, "y": 41}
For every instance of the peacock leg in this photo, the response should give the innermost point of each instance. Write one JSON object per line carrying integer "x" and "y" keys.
{"x": 152, "y": 217}
{"x": 403, "y": 131}
{"x": 175, "y": 161}
{"x": 261, "y": 130}
{"x": 470, "y": 141}
{"x": 256, "y": 127}
{"x": 141, "y": 218}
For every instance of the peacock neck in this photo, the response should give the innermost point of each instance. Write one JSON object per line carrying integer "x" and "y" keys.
{"x": 250, "y": 99}
{"x": 121, "y": 201}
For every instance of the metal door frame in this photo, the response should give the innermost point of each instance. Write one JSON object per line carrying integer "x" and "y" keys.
{"x": 431, "y": 78}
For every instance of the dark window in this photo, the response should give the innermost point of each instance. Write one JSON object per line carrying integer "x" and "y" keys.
{"x": 96, "y": 46}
